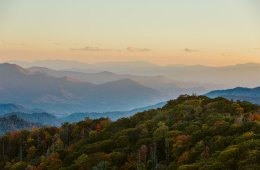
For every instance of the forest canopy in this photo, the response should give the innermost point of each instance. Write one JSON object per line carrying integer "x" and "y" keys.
{"x": 189, "y": 133}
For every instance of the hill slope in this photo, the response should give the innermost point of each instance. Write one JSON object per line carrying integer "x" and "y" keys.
{"x": 239, "y": 93}
{"x": 190, "y": 133}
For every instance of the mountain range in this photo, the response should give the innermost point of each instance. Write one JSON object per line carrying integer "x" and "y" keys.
{"x": 165, "y": 85}
{"x": 77, "y": 91}
{"x": 239, "y": 93}
{"x": 65, "y": 94}
{"x": 222, "y": 76}
{"x": 62, "y": 91}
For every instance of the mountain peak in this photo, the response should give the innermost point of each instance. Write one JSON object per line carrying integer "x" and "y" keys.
{"x": 124, "y": 81}
{"x": 13, "y": 68}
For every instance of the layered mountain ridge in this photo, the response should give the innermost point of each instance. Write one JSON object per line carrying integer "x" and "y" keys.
{"x": 63, "y": 94}
{"x": 238, "y": 93}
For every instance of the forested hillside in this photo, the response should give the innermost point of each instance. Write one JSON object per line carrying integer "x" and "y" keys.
{"x": 13, "y": 123}
{"x": 188, "y": 133}
{"x": 42, "y": 118}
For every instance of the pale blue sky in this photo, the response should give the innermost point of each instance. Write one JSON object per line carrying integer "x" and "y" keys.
{"x": 213, "y": 32}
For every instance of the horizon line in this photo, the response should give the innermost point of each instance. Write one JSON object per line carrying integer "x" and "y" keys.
{"x": 134, "y": 61}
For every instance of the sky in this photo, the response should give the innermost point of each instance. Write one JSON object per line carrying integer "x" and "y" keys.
{"x": 208, "y": 32}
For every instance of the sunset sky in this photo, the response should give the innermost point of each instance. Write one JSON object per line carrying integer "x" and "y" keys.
{"x": 208, "y": 32}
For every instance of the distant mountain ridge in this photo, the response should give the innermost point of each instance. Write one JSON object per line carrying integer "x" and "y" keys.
{"x": 165, "y": 85}
{"x": 10, "y": 107}
{"x": 72, "y": 91}
{"x": 226, "y": 76}
{"x": 76, "y": 117}
{"x": 14, "y": 123}
{"x": 47, "y": 119}
{"x": 19, "y": 85}
{"x": 238, "y": 93}
{"x": 41, "y": 118}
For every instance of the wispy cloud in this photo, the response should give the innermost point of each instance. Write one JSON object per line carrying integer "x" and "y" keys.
{"x": 98, "y": 49}
{"x": 134, "y": 49}
{"x": 189, "y": 50}
{"x": 91, "y": 49}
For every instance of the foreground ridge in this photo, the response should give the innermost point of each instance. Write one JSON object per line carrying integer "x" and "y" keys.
{"x": 191, "y": 132}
